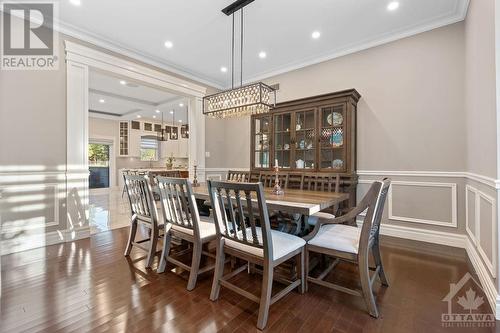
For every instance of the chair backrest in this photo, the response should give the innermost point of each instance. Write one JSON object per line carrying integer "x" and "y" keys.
{"x": 267, "y": 178}
{"x": 140, "y": 196}
{"x": 320, "y": 182}
{"x": 178, "y": 203}
{"x": 374, "y": 200}
{"x": 294, "y": 180}
{"x": 237, "y": 207}
{"x": 238, "y": 176}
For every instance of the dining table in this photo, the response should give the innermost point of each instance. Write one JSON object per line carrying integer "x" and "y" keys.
{"x": 300, "y": 203}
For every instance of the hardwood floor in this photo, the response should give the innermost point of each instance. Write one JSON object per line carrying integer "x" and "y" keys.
{"x": 89, "y": 285}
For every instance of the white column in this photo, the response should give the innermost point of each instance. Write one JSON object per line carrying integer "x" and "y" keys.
{"x": 77, "y": 188}
{"x": 196, "y": 138}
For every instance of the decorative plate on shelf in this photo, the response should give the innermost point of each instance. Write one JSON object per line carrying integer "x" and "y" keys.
{"x": 337, "y": 139}
{"x": 335, "y": 119}
{"x": 337, "y": 164}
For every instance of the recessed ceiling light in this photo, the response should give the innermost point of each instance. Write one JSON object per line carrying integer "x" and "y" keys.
{"x": 123, "y": 82}
{"x": 316, "y": 34}
{"x": 393, "y": 5}
{"x": 102, "y": 100}
{"x": 172, "y": 112}
{"x": 157, "y": 111}
{"x": 262, "y": 54}
{"x": 181, "y": 104}
{"x": 138, "y": 116}
{"x": 180, "y": 121}
{"x": 154, "y": 117}
{"x": 168, "y": 44}
{"x": 75, "y": 2}
{"x": 223, "y": 69}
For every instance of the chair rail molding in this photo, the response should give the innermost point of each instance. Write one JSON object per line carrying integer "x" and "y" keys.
{"x": 494, "y": 183}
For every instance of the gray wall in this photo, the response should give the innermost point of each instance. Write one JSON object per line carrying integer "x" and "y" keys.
{"x": 480, "y": 115}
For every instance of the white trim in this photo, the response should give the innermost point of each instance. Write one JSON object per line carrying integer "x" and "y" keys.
{"x": 90, "y": 57}
{"x": 482, "y": 272}
{"x": 471, "y": 234}
{"x": 452, "y": 186}
{"x": 424, "y": 235}
{"x": 491, "y": 264}
{"x": 494, "y": 183}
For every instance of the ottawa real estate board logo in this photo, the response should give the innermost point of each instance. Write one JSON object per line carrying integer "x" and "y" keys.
{"x": 28, "y": 37}
{"x": 467, "y": 308}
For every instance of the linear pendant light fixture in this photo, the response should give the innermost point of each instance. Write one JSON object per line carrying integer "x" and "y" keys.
{"x": 245, "y": 100}
{"x": 162, "y": 135}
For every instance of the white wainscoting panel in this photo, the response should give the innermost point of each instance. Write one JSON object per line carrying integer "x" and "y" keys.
{"x": 416, "y": 219}
{"x": 478, "y": 197}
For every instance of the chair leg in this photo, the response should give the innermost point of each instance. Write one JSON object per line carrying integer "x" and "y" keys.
{"x": 219, "y": 271}
{"x": 306, "y": 268}
{"x": 265, "y": 297}
{"x": 299, "y": 258}
{"x": 364, "y": 275}
{"x": 378, "y": 262}
{"x": 152, "y": 248}
{"x": 195, "y": 265}
{"x": 131, "y": 236}
{"x": 167, "y": 241}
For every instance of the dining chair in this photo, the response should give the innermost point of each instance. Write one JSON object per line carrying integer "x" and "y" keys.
{"x": 267, "y": 178}
{"x": 242, "y": 238}
{"x": 143, "y": 211}
{"x": 125, "y": 172}
{"x": 326, "y": 182}
{"x": 353, "y": 244}
{"x": 238, "y": 176}
{"x": 182, "y": 220}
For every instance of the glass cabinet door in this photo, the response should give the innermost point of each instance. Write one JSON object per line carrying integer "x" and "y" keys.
{"x": 262, "y": 130}
{"x": 282, "y": 140}
{"x": 304, "y": 140}
{"x": 332, "y": 155}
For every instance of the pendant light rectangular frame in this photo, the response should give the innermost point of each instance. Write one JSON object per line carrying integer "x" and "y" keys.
{"x": 251, "y": 99}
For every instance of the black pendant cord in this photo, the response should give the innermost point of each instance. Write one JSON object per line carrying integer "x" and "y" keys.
{"x": 232, "y": 56}
{"x": 241, "y": 51}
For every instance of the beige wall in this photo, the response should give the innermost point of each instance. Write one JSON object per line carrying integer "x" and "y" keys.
{"x": 480, "y": 95}
{"x": 411, "y": 114}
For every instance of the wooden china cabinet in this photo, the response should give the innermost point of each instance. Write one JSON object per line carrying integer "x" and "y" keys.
{"x": 314, "y": 134}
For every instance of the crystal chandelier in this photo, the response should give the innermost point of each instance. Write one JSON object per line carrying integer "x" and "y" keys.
{"x": 246, "y": 100}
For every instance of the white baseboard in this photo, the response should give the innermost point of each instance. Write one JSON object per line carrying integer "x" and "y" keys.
{"x": 484, "y": 277}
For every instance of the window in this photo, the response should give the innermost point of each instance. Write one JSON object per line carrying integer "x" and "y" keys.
{"x": 149, "y": 148}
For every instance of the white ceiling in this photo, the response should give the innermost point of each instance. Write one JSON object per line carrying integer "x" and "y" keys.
{"x": 125, "y": 102}
{"x": 200, "y": 33}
